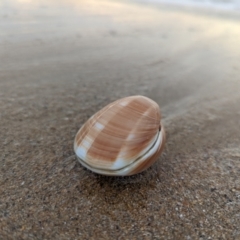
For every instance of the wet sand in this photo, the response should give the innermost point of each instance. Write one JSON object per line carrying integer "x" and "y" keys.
{"x": 60, "y": 63}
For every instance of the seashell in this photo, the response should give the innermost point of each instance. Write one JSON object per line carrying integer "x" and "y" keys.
{"x": 124, "y": 138}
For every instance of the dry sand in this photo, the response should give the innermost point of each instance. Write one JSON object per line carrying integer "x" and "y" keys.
{"x": 60, "y": 63}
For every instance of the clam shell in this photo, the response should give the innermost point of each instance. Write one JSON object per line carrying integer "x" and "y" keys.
{"x": 124, "y": 138}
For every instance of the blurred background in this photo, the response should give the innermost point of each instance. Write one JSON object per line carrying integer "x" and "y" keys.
{"x": 214, "y": 4}
{"x": 63, "y": 60}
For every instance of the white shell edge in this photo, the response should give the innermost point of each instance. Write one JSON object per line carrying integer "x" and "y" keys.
{"x": 128, "y": 169}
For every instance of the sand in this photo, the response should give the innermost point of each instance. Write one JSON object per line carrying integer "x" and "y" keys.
{"x": 63, "y": 61}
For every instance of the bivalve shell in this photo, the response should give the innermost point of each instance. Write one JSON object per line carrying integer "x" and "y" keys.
{"x": 124, "y": 138}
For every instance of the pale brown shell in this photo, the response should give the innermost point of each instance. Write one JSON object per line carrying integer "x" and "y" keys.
{"x": 123, "y": 138}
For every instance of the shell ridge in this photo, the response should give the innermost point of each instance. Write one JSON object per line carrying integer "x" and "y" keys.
{"x": 95, "y": 120}
{"x": 158, "y": 138}
{"x": 88, "y": 158}
{"x": 131, "y": 132}
{"x": 149, "y": 159}
{"x": 132, "y": 109}
{"x": 118, "y": 157}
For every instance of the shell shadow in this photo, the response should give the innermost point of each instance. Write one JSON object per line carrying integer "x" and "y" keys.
{"x": 128, "y": 191}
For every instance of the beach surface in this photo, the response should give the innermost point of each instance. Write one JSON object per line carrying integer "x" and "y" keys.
{"x": 61, "y": 61}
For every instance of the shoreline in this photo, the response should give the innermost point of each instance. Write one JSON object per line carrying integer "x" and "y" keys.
{"x": 207, "y": 10}
{"x": 224, "y": 6}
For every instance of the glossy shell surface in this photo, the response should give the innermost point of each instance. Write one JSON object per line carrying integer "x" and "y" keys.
{"x": 124, "y": 138}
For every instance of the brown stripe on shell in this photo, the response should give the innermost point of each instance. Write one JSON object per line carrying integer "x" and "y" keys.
{"x": 135, "y": 115}
{"x": 109, "y": 141}
{"x": 89, "y": 124}
{"x": 148, "y": 162}
{"x": 83, "y": 132}
{"x": 140, "y": 139}
{"x": 142, "y": 103}
{"x": 90, "y": 130}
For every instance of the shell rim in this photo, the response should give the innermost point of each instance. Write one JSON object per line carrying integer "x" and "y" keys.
{"x": 127, "y": 169}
